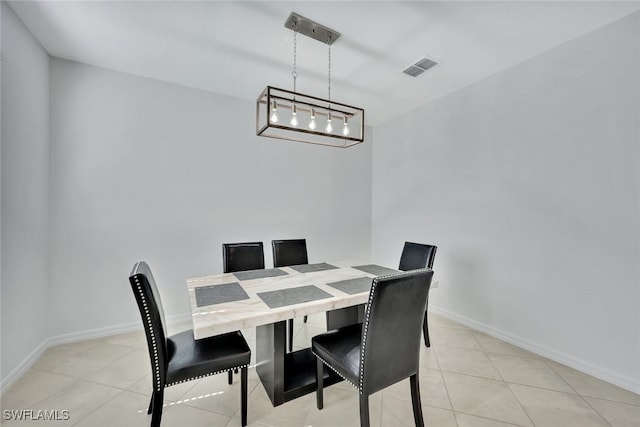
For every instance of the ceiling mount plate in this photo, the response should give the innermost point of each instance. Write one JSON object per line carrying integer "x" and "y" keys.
{"x": 311, "y": 29}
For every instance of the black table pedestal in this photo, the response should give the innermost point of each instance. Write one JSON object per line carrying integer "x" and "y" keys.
{"x": 286, "y": 376}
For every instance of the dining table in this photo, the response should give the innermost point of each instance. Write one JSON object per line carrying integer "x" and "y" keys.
{"x": 267, "y": 298}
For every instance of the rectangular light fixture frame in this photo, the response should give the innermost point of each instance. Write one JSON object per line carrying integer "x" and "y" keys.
{"x": 323, "y": 108}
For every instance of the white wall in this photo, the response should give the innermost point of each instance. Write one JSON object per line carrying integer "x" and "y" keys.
{"x": 145, "y": 170}
{"x": 25, "y": 192}
{"x": 528, "y": 182}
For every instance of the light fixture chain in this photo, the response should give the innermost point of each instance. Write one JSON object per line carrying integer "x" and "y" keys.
{"x": 329, "y": 76}
{"x": 294, "y": 73}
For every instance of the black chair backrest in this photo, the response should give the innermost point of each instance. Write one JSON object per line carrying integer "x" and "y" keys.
{"x": 391, "y": 331}
{"x": 289, "y": 252}
{"x": 242, "y": 256}
{"x": 417, "y": 255}
{"x": 144, "y": 288}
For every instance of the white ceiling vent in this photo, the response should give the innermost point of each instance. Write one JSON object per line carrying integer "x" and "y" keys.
{"x": 420, "y": 66}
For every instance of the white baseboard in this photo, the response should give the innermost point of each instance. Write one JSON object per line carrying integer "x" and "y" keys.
{"x": 573, "y": 362}
{"x": 23, "y": 366}
{"x": 89, "y": 334}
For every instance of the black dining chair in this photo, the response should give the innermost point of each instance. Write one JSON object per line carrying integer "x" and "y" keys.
{"x": 383, "y": 350}
{"x": 242, "y": 256}
{"x": 414, "y": 256}
{"x": 181, "y": 358}
{"x": 287, "y": 253}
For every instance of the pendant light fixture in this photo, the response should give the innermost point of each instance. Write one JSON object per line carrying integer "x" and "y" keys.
{"x": 291, "y": 115}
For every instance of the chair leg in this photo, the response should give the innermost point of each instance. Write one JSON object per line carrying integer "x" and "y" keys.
{"x": 156, "y": 412}
{"x": 151, "y": 403}
{"x": 319, "y": 382}
{"x": 425, "y": 332}
{"x": 290, "y": 335}
{"x": 305, "y": 319}
{"x": 425, "y": 327}
{"x": 230, "y": 377}
{"x": 364, "y": 410}
{"x": 415, "y": 399}
{"x": 243, "y": 398}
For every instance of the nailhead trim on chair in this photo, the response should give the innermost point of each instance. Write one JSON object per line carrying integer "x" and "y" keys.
{"x": 206, "y": 375}
{"x": 366, "y": 321}
{"x": 333, "y": 369}
{"x": 156, "y": 364}
{"x": 364, "y": 333}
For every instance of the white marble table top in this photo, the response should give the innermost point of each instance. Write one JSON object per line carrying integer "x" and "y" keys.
{"x": 246, "y": 313}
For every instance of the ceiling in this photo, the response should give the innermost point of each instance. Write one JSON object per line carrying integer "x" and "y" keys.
{"x": 237, "y": 48}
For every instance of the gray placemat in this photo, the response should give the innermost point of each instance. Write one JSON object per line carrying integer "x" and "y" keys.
{"x": 284, "y": 297}
{"x": 353, "y": 286}
{"x": 376, "y": 269}
{"x": 310, "y": 268}
{"x": 259, "y": 274}
{"x": 218, "y": 294}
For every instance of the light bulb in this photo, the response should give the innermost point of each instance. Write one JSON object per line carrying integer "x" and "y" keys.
{"x": 274, "y": 115}
{"x": 294, "y": 119}
{"x": 345, "y": 131}
{"x": 312, "y": 121}
{"x": 329, "y": 128}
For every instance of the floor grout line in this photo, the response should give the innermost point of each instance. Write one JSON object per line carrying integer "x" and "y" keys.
{"x": 446, "y": 388}
{"x": 491, "y": 361}
{"x": 596, "y": 411}
{"x": 546, "y": 362}
{"x": 486, "y": 418}
{"x": 502, "y": 378}
{"x": 96, "y": 409}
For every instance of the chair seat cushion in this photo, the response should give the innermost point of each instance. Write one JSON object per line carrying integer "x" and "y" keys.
{"x": 190, "y": 358}
{"x": 340, "y": 349}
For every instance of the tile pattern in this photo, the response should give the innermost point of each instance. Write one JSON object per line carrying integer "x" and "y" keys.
{"x": 467, "y": 379}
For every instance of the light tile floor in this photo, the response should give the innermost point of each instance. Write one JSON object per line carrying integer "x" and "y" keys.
{"x": 467, "y": 379}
